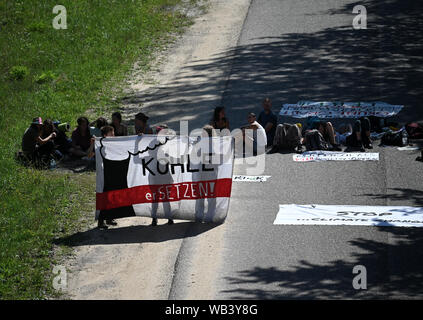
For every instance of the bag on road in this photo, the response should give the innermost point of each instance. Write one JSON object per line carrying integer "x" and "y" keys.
{"x": 397, "y": 138}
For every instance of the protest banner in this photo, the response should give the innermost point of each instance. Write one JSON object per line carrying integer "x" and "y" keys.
{"x": 241, "y": 178}
{"x": 164, "y": 177}
{"x": 383, "y": 216}
{"x": 310, "y": 156}
{"x": 305, "y": 109}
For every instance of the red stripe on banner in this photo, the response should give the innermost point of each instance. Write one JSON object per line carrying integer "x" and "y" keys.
{"x": 164, "y": 193}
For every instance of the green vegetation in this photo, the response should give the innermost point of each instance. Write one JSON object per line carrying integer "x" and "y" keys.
{"x": 60, "y": 74}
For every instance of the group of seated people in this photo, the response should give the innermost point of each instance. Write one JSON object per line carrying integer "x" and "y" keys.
{"x": 317, "y": 134}
{"x": 46, "y": 140}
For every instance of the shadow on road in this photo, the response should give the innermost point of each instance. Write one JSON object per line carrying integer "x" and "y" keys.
{"x": 382, "y": 63}
{"x": 415, "y": 196}
{"x": 393, "y": 270}
{"x": 135, "y": 234}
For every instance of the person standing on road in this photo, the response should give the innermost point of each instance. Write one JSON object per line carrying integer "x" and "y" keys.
{"x": 268, "y": 120}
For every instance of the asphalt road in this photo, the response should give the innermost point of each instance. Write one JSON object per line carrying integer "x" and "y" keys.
{"x": 294, "y": 50}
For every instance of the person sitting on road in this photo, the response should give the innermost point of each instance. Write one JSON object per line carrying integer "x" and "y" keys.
{"x": 287, "y": 137}
{"x": 268, "y": 120}
{"x": 81, "y": 139}
{"x": 219, "y": 120}
{"x": 325, "y": 128}
{"x": 32, "y": 141}
{"x": 344, "y": 130}
{"x": 120, "y": 129}
{"x": 141, "y": 126}
{"x": 360, "y": 137}
{"x": 257, "y": 140}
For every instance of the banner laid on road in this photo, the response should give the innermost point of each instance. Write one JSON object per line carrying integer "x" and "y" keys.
{"x": 157, "y": 176}
{"x": 335, "y": 156}
{"x": 250, "y": 178}
{"x": 304, "y": 109}
{"x": 394, "y": 216}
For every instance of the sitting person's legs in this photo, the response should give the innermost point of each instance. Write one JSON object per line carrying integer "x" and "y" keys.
{"x": 355, "y": 139}
{"x": 293, "y": 136}
{"x": 365, "y": 132}
{"x": 327, "y": 131}
{"x": 287, "y": 136}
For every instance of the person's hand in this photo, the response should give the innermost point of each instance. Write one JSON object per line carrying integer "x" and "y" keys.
{"x": 92, "y": 139}
{"x": 53, "y": 135}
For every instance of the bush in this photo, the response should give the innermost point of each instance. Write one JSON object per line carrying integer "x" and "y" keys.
{"x": 47, "y": 76}
{"x": 18, "y": 72}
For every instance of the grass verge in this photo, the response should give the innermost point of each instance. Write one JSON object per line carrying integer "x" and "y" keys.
{"x": 60, "y": 74}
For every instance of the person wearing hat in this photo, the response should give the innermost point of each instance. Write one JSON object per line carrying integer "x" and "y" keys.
{"x": 31, "y": 140}
{"x": 141, "y": 126}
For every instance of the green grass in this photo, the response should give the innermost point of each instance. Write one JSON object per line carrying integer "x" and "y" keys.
{"x": 60, "y": 74}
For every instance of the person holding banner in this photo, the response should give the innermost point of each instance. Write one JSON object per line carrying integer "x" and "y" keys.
{"x": 141, "y": 126}
{"x": 120, "y": 129}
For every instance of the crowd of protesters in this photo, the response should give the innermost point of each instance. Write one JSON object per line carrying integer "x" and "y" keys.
{"x": 46, "y": 142}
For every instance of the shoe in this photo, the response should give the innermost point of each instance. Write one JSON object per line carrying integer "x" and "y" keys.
{"x": 336, "y": 147}
{"x": 154, "y": 222}
{"x": 111, "y": 222}
{"x": 368, "y": 146}
{"x": 170, "y": 221}
{"x": 101, "y": 224}
{"x": 299, "y": 149}
{"x": 273, "y": 150}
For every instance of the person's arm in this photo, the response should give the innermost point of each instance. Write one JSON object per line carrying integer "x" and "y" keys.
{"x": 42, "y": 141}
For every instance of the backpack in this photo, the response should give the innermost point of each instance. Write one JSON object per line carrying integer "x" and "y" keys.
{"x": 414, "y": 130}
{"x": 395, "y": 138}
{"x": 315, "y": 141}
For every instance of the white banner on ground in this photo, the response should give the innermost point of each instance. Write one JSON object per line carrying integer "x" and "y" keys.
{"x": 394, "y": 216}
{"x": 335, "y": 156}
{"x": 305, "y": 109}
{"x": 408, "y": 148}
{"x": 250, "y": 178}
{"x": 156, "y": 176}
